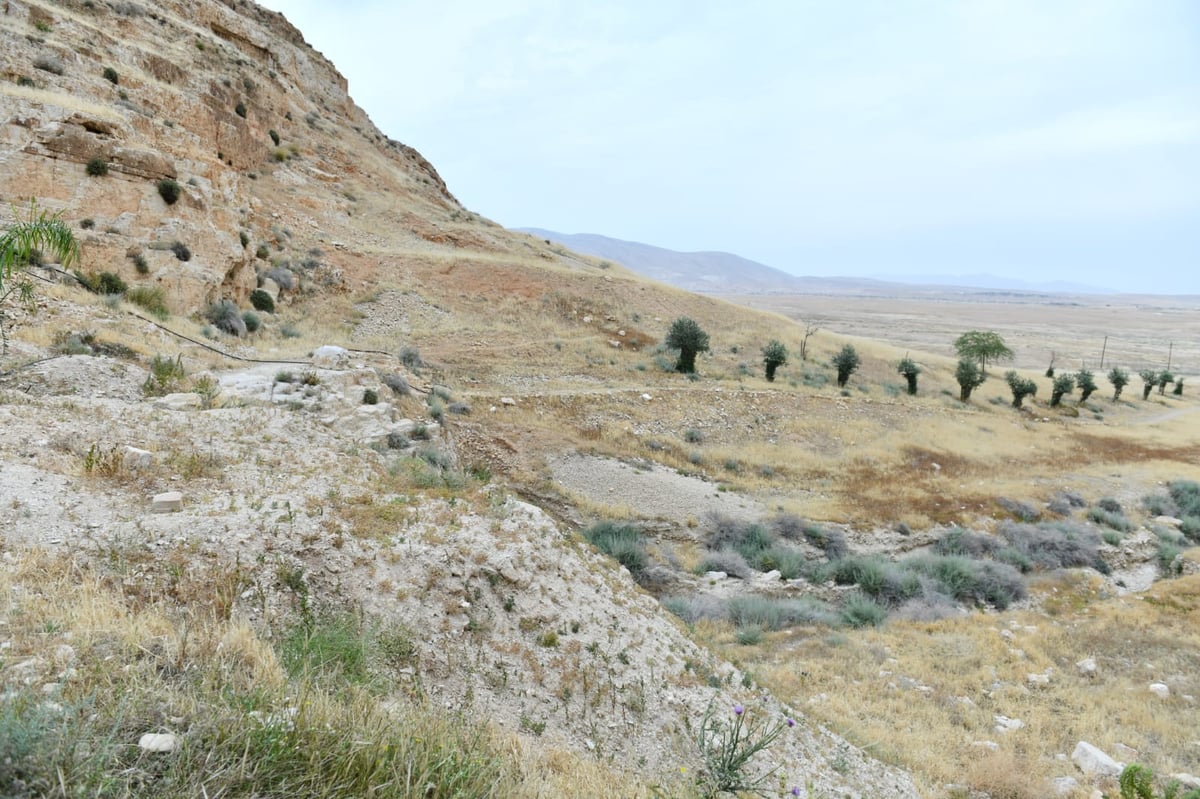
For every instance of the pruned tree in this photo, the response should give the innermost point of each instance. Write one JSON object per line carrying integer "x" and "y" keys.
{"x": 687, "y": 337}
{"x": 982, "y": 346}
{"x": 1063, "y": 385}
{"x": 1164, "y": 377}
{"x": 810, "y": 330}
{"x": 774, "y": 355}
{"x": 910, "y": 370}
{"x": 1119, "y": 379}
{"x": 846, "y": 362}
{"x": 1149, "y": 381}
{"x": 1087, "y": 384}
{"x": 970, "y": 377}
{"x": 21, "y": 242}
{"x": 1021, "y": 387}
{"x": 1050, "y": 368}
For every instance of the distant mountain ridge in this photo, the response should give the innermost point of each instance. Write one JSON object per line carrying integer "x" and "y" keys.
{"x": 701, "y": 272}
{"x": 726, "y": 273}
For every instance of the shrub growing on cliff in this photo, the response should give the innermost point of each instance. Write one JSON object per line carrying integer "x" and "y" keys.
{"x": 622, "y": 542}
{"x": 96, "y": 167}
{"x": 111, "y": 76}
{"x": 262, "y": 301}
{"x": 225, "y": 316}
{"x": 168, "y": 189}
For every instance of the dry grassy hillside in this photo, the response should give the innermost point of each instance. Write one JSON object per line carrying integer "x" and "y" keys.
{"x": 378, "y": 496}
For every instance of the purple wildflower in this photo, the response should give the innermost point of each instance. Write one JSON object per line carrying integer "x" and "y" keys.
{"x": 795, "y": 788}
{"x": 791, "y": 722}
{"x": 738, "y": 710}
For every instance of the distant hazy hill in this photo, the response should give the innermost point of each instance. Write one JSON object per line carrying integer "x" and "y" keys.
{"x": 726, "y": 273}
{"x": 706, "y": 272}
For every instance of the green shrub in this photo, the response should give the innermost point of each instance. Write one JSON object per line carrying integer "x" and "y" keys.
{"x": 776, "y": 614}
{"x": 111, "y": 76}
{"x": 862, "y": 611}
{"x": 103, "y": 283}
{"x": 262, "y": 301}
{"x": 411, "y": 358}
{"x": 244, "y": 238}
{"x": 750, "y": 635}
{"x": 1116, "y": 521}
{"x": 370, "y": 397}
{"x": 397, "y": 383}
{"x": 141, "y": 264}
{"x": 693, "y": 436}
{"x": 96, "y": 167}
{"x": 274, "y": 136}
{"x": 166, "y": 376}
{"x": 168, "y": 189}
{"x": 181, "y": 251}
{"x": 622, "y": 542}
{"x": 725, "y": 560}
{"x": 251, "y": 321}
{"x": 240, "y": 110}
{"x": 225, "y": 316}
{"x": 150, "y": 298}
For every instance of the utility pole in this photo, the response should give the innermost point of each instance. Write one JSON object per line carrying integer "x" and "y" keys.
{"x": 1102, "y": 351}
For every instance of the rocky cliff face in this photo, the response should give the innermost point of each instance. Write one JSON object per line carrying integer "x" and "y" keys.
{"x": 271, "y": 156}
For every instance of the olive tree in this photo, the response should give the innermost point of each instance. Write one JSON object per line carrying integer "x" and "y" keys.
{"x": 687, "y": 337}
{"x": 1164, "y": 377}
{"x": 982, "y": 346}
{"x": 1149, "y": 381}
{"x": 1087, "y": 384}
{"x": 1021, "y": 387}
{"x": 910, "y": 370}
{"x": 774, "y": 355}
{"x": 970, "y": 377}
{"x": 21, "y": 242}
{"x": 1119, "y": 379}
{"x": 846, "y": 362}
{"x": 1064, "y": 384}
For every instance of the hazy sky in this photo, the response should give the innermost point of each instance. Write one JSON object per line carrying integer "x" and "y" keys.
{"x": 1035, "y": 139}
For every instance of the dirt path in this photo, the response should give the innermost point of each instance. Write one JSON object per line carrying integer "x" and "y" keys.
{"x": 652, "y": 492}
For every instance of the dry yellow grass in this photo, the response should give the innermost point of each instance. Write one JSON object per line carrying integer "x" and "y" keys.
{"x": 925, "y": 694}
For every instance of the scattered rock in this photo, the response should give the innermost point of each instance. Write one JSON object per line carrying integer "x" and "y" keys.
{"x": 1187, "y": 780}
{"x": 167, "y": 502}
{"x": 1037, "y": 680}
{"x": 714, "y": 576}
{"x": 647, "y": 397}
{"x": 1169, "y": 521}
{"x": 161, "y": 742}
{"x": 991, "y": 746}
{"x": 1065, "y": 786}
{"x": 1160, "y": 690}
{"x": 1086, "y": 667}
{"x": 1005, "y": 725}
{"x": 178, "y": 402}
{"x": 1094, "y": 762}
{"x": 508, "y": 402}
{"x": 330, "y": 356}
{"x": 134, "y": 459}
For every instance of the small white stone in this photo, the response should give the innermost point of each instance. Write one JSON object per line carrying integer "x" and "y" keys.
{"x": 167, "y": 502}
{"x": 1160, "y": 690}
{"x": 158, "y": 742}
{"x": 1064, "y": 786}
{"x": 1086, "y": 667}
{"x": 1094, "y": 762}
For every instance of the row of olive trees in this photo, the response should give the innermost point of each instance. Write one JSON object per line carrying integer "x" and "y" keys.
{"x": 690, "y": 340}
{"x": 975, "y": 348}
